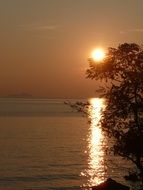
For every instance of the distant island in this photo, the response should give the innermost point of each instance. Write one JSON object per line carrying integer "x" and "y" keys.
{"x": 20, "y": 95}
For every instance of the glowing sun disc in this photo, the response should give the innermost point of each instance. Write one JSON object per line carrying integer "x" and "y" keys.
{"x": 98, "y": 54}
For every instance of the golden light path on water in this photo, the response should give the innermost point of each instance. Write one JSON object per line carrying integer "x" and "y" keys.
{"x": 96, "y": 145}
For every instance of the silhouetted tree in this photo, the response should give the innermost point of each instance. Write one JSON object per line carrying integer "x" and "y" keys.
{"x": 122, "y": 119}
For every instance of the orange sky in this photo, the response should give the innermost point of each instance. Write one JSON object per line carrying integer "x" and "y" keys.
{"x": 45, "y": 43}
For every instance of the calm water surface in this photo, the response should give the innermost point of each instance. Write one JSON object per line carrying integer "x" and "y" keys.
{"x": 45, "y": 145}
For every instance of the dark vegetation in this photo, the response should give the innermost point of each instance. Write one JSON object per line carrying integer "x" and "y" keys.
{"x": 121, "y": 72}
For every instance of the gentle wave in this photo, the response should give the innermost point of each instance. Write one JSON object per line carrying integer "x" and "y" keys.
{"x": 49, "y": 147}
{"x": 40, "y": 178}
{"x": 35, "y": 108}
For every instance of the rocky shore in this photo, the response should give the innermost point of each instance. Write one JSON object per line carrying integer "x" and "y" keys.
{"x": 110, "y": 184}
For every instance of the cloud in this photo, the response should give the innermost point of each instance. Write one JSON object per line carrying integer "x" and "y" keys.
{"x": 36, "y": 27}
{"x": 135, "y": 30}
{"x": 40, "y": 31}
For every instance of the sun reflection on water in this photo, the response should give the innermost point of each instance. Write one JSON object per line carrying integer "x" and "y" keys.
{"x": 96, "y": 144}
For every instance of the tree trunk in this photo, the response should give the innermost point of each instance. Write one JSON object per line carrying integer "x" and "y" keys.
{"x": 139, "y": 165}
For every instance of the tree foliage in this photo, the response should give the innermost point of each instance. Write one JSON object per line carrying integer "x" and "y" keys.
{"x": 122, "y": 119}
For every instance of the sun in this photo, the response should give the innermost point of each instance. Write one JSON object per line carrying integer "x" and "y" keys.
{"x": 98, "y": 54}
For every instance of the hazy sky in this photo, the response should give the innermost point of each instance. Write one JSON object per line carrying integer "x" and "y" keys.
{"x": 44, "y": 44}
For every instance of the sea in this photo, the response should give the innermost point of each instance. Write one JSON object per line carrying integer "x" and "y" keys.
{"x": 46, "y": 144}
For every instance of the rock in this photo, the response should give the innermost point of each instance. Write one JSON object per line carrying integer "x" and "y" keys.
{"x": 131, "y": 177}
{"x": 110, "y": 184}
